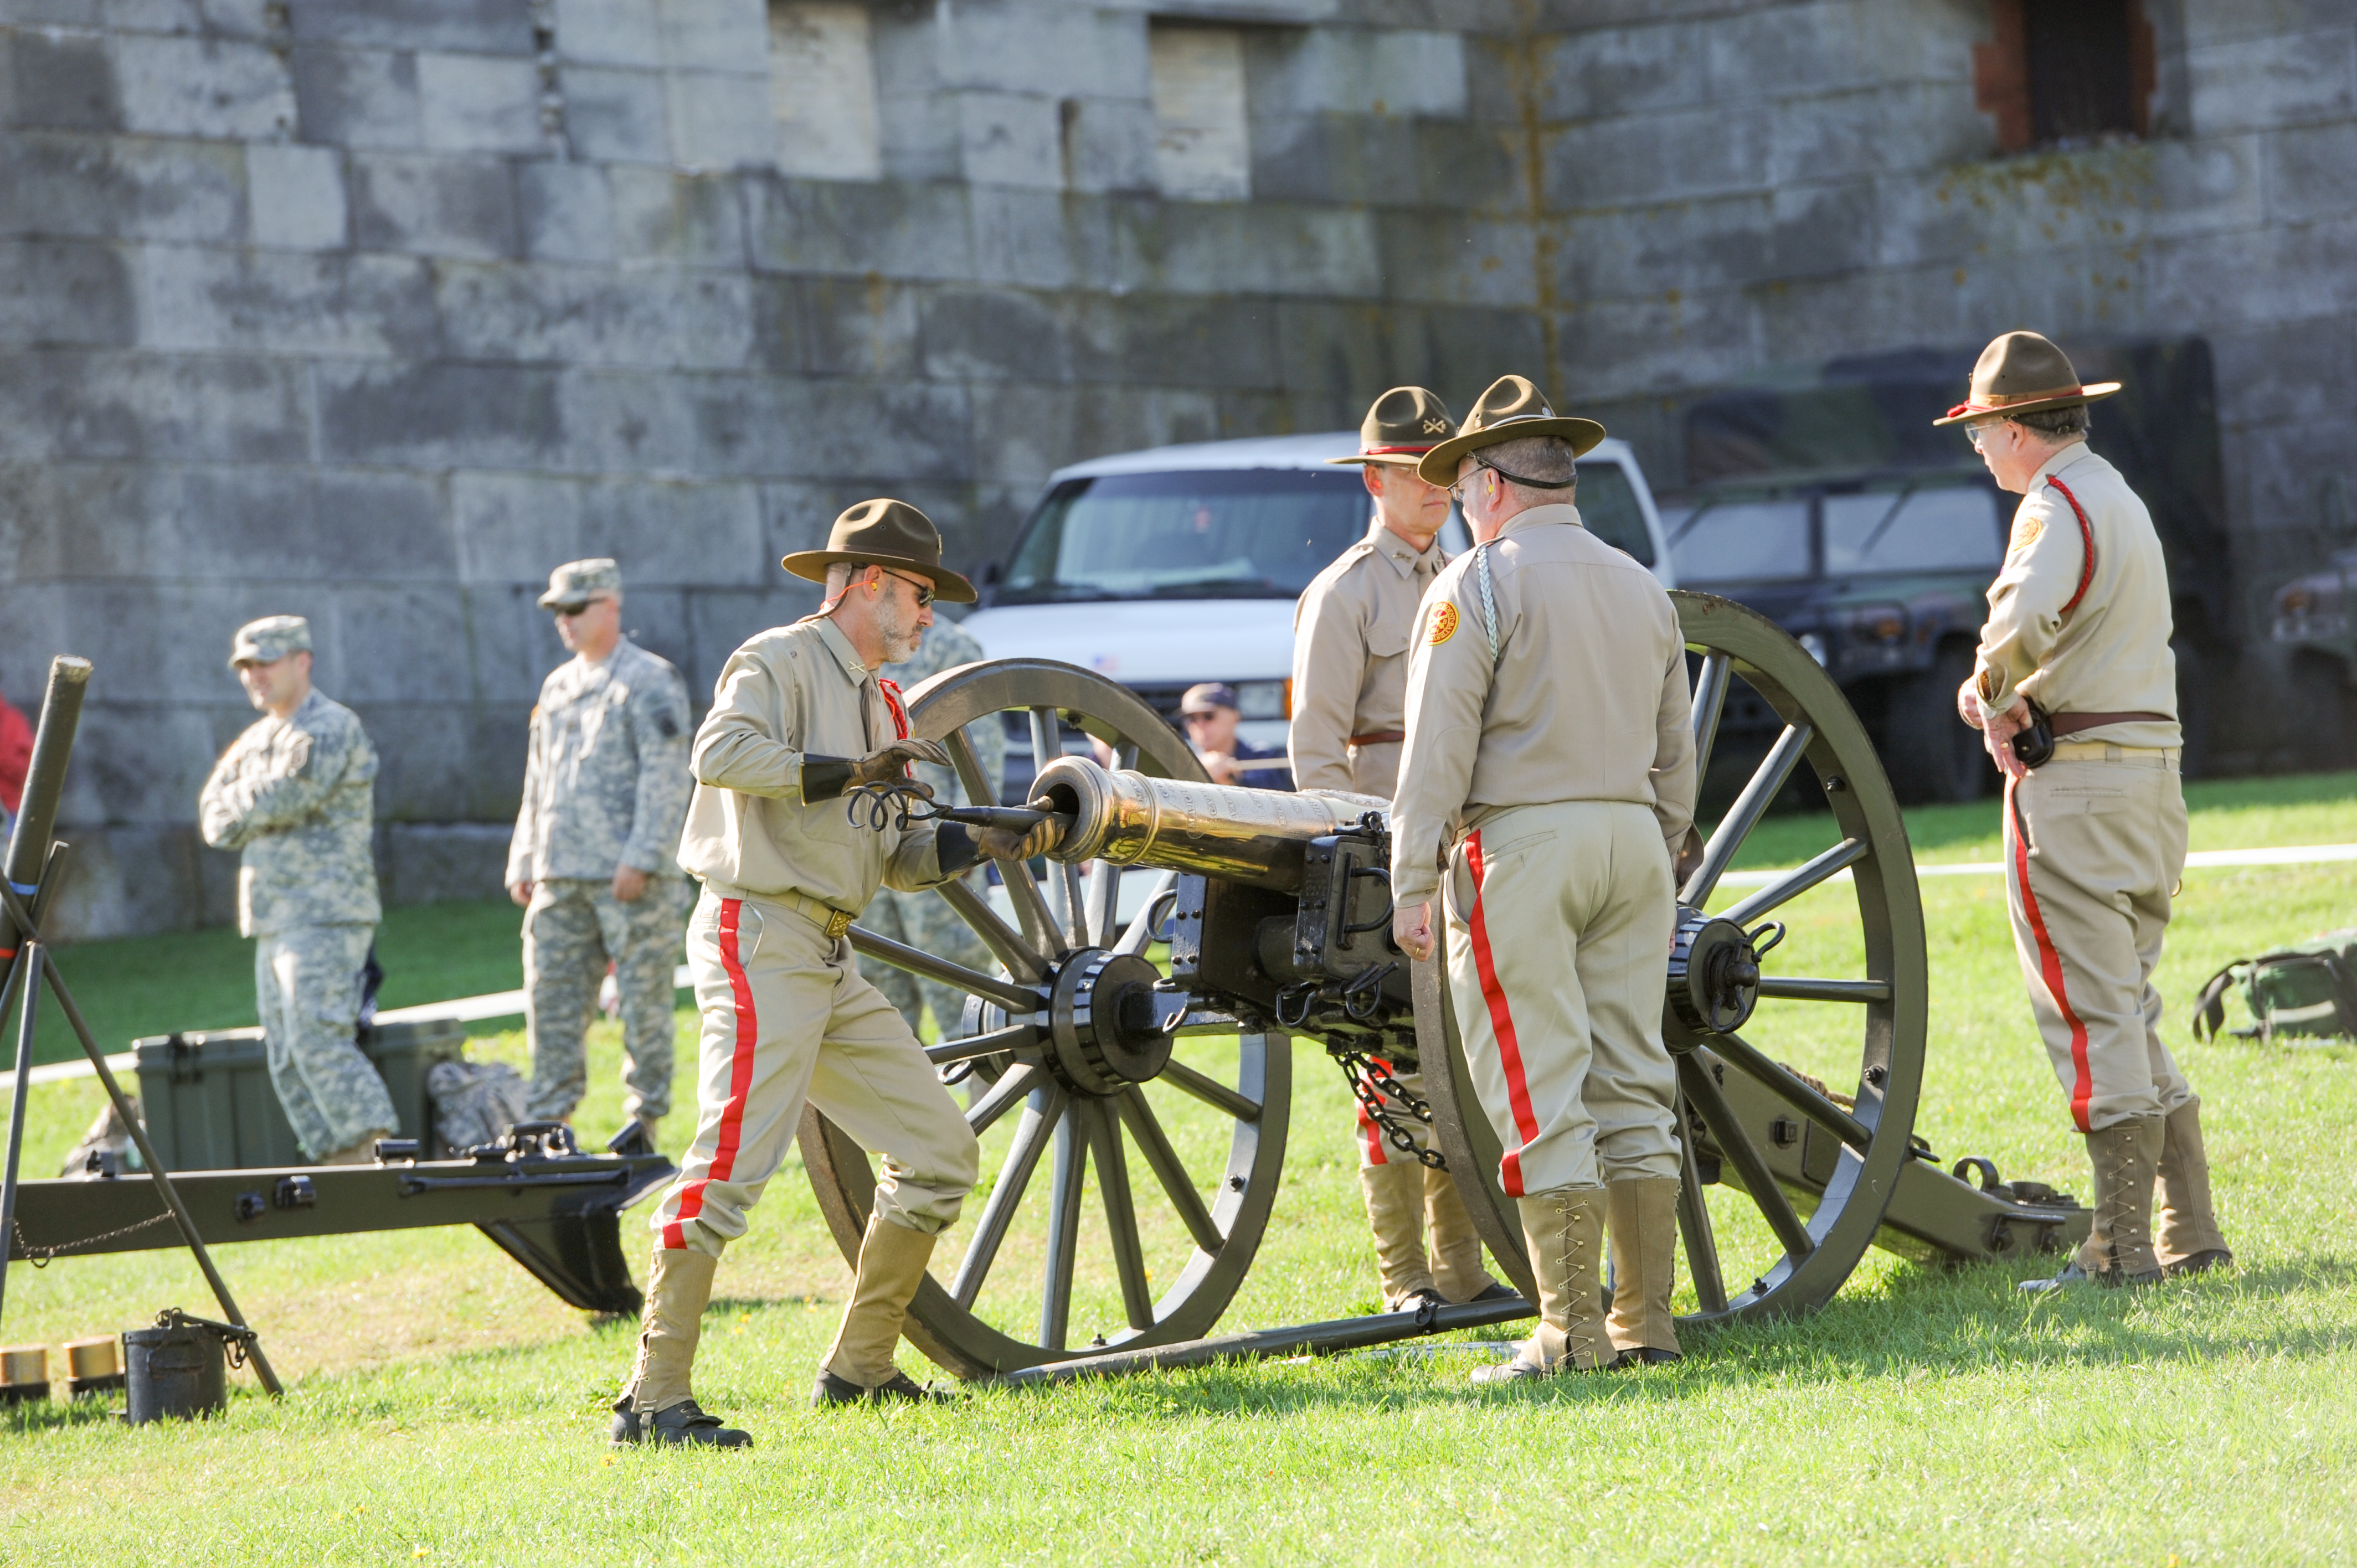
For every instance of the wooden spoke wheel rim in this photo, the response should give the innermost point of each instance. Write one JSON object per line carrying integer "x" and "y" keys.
{"x": 1075, "y": 1128}
{"x": 1737, "y": 1104}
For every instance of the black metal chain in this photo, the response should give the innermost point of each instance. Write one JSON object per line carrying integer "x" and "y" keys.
{"x": 40, "y": 1256}
{"x": 1374, "y": 1088}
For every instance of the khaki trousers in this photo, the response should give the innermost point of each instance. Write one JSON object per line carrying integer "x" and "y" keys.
{"x": 786, "y": 1016}
{"x": 2092, "y": 849}
{"x": 1559, "y": 920}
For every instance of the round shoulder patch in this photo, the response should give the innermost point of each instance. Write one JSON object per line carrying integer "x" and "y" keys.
{"x": 2026, "y": 526}
{"x": 1444, "y": 623}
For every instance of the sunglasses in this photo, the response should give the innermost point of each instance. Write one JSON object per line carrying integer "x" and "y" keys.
{"x": 1972, "y": 433}
{"x": 924, "y": 590}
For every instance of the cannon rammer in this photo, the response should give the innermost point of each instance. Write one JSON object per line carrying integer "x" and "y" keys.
{"x": 1798, "y": 1091}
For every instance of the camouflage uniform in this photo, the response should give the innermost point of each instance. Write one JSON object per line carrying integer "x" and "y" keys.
{"x": 606, "y": 784}
{"x": 293, "y": 796}
{"x": 924, "y": 920}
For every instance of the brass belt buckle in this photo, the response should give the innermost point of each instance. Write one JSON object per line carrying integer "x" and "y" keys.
{"x": 837, "y": 922}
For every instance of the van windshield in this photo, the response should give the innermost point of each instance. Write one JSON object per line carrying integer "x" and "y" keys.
{"x": 1210, "y": 533}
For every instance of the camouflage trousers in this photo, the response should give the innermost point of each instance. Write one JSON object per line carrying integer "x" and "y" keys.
{"x": 924, "y": 921}
{"x": 307, "y": 989}
{"x": 572, "y": 930}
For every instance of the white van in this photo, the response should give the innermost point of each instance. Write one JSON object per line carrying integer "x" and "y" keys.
{"x": 1162, "y": 568}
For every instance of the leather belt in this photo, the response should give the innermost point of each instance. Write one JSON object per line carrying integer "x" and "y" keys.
{"x": 1380, "y": 738}
{"x": 833, "y": 922}
{"x": 2072, "y": 724}
{"x": 2109, "y": 751}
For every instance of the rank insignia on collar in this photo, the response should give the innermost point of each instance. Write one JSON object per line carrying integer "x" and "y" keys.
{"x": 1444, "y": 623}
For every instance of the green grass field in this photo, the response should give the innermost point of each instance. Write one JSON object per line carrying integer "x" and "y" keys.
{"x": 444, "y": 1408}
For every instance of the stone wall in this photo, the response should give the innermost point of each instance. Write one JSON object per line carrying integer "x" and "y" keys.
{"x": 372, "y": 310}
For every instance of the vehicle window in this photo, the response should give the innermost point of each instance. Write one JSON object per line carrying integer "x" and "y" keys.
{"x": 1209, "y": 533}
{"x": 1608, "y": 506}
{"x": 1746, "y": 541}
{"x": 1943, "y": 528}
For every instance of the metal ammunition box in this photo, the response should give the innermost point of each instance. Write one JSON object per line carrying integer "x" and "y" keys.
{"x": 210, "y": 1105}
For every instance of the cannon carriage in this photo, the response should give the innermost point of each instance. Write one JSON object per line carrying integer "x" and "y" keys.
{"x": 1799, "y": 1048}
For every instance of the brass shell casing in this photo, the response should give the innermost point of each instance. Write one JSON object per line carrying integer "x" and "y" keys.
{"x": 1253, "y": 836}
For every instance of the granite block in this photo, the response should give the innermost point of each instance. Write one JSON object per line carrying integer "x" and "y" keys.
{"x": 358, "y": 98}
{"x": 675, "y": 531}
{"x": 62, "y": 82}
{"x": 678, "y": 219}
{"x": 616, "y": 115}
{"x": 296, "y": 197}
{"x": 480, "y": 103}
{"x": 69, "y": 403}
{"x": 65, "y": 184}
{"x": 283, "y": 302}
{"x": 215, "y": 88}
{"x": 719, "y": 119}
{"x": 440, "y": 414}
{"x": 66, "y": 293}
{"x": 564, "y": 212}
{"x": 434, "y": 206}
{"x": 476, "y": 27}
{"x": 540, "y": 311}
{"x": 607, "y": 32}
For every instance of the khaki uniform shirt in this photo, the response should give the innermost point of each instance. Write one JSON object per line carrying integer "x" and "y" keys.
{"x": 948, "y": 646}
{"x": 296, "y": 797}
{"x": 1587, "y": 699}
{"x": 792, "y": 690}
{"x": 2109, "y": 655}
{"x": 606, "y": 780}
{"x": 1350, "y": 632}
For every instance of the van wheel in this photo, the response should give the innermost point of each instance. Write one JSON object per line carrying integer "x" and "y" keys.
{"x": 1932, "y": 755}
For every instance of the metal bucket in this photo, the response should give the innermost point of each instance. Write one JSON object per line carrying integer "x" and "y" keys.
{"x": 179, "y": 1368}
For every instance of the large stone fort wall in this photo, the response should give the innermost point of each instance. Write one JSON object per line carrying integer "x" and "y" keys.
{"x": 372, "y": 310}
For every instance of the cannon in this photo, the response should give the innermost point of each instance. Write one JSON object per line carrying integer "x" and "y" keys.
{"x": 1169, "y": 1093}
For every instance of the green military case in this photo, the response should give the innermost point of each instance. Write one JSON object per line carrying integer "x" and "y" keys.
{"x": 210, "y": 1105}
{"x": 2305, "y": 991}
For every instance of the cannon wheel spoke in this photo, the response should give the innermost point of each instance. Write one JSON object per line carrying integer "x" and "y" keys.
{"x": 1168, "y": 1169}
{"x": 1694, "y": 1223}
{"x": 1709, "y": 703}
{"x": 1120, "y": 1213}
{"x": 1211, "y": 1091}
{"x": 1750, "y": 1165}
{"x": 1758, "y": 795}
{"x": 1065, "y": 1184}
{"x": 1041, "y": 1117}
{"x": 973, "y": 983}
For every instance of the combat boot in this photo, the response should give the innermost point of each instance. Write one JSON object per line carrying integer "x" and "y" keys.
{"x": 2118, "y": 1249}
{"x": 892, "y": 1259}
{"x": 1455, "y": 1246}
{"x": 655, "y": 1405}
{"x": 2189, "y": 1241}
{"x": 1395, "y": 1195}
{"x": 361, "y": 1151}
{"x": 1640, "y": 1216}
{"x": 1564, "y": 1232}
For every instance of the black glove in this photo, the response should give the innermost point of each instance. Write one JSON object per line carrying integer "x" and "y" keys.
{"x": 824, "y": 778}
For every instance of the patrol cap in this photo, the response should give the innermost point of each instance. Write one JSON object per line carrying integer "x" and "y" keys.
{"x": 269, "y": 639}
{"x": 890, "y": 534}
{"x": 1511, "y": 409}
{"x": 576, "y": 582}
{"x": 2022, "y": 372}
{"x": 1208, "y": 696}
{"x": 1403, "y": 426}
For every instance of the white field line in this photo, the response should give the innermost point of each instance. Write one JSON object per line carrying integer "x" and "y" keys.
{"x": 509, "y": 1004}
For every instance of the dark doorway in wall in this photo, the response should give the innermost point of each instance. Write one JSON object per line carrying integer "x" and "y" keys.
{"x": 2065, "y": 73}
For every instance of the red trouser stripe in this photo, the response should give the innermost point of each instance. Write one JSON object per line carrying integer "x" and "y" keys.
{"x": 741, "y": 1080}
{"x": 2049, "y": 966}
{"x": 1501, "y": 1023}
{"x": 1368, "y": 1131}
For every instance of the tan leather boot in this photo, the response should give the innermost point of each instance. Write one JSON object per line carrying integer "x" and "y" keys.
{"x": 2118, "y": 1249}
{"x": 1640, "y": 1215}
{"x": 1455, "y": 1246}
{"x": 1395, "y": 1195}
{"x": 2190, "y": 1241}
{"x": 858, "y": 1365}
{"x": 1564, "y": 1232}
{"x": 656, "y": 1405}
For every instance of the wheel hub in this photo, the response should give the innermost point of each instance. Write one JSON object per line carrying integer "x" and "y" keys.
{"x": 1090, "y": 1052}
{"x": 1714, "y": 974}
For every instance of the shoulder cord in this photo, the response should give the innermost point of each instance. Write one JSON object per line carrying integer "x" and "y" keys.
{"x": 891, "y": 690}
{"x": 1489, "y": 600}
{"x": 2087, "y": 533}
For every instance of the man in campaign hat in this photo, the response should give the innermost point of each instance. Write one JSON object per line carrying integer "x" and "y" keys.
{"x": 605, "y": 791}
{"x": 293, "y": 796}
{"x": 1548, "y": 780}
{"x": 1351, "y": 633}
{"x": 2074, "y": 664}
{"x": 801, "y": 714}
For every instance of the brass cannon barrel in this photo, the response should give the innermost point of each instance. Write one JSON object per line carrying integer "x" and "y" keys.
{"x": 1255, "y": 836}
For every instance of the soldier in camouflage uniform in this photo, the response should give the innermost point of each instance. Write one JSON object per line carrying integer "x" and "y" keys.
{"x": 924, "y": 920}
{"x": 293, "y": 795}
{"x": 605, "y": 791}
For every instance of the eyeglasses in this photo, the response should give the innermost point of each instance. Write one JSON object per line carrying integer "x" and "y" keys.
{"x": 1457, "y": 491}
{"x": 1972, "y": 433}
{"x": 924, "y": 590}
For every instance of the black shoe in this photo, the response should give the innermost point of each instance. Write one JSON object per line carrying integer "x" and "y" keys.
{"x": 2072, "y": 1275}
{"x": 1419, "y": 1300}
{"x": 832, "y": 1390}
{"x": 2200, "y": 1262}
{"x": 1493, "y": 1291}
{"x": 1643, "y": 1356}
{"x": 682, "y": 1425}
